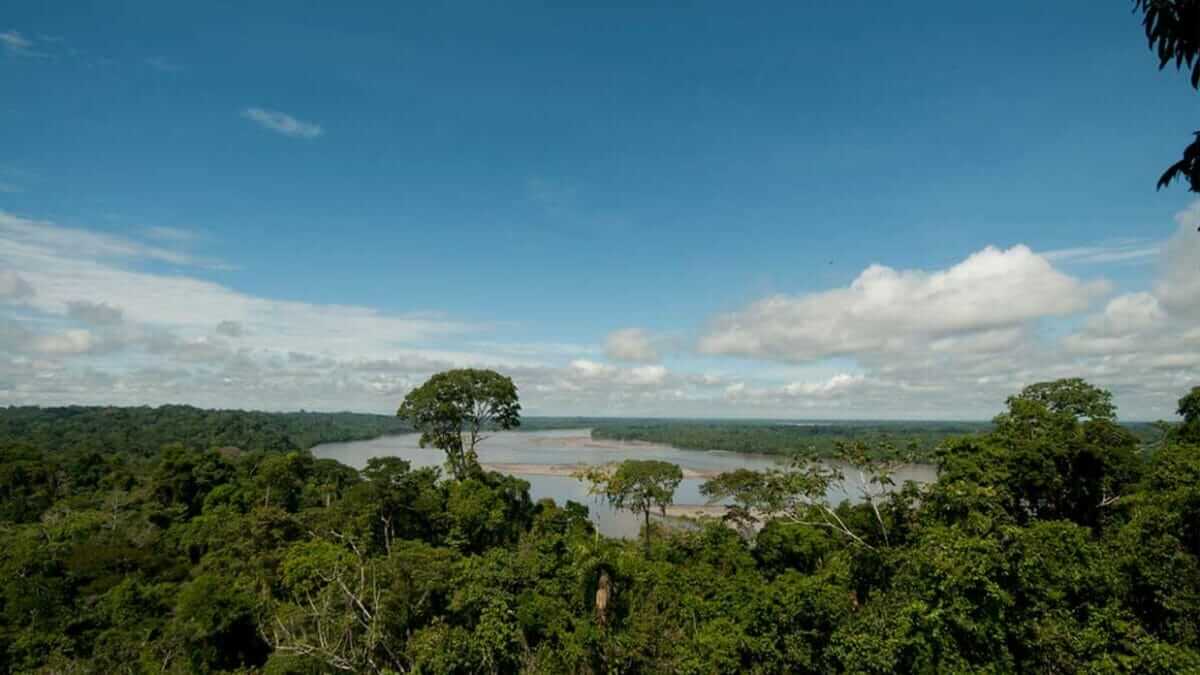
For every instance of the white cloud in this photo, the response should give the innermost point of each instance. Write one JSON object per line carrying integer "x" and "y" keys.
{"x": 69, "y": 266}
{"x": 1146, "y": 345}
{"x": 648, "y": 375}
{"x": 630, "y": 344}
{"x": 16, "y": 43}
{"x": 31, "y": 238}
{"x": 1120, "y": 327}
{"x": 587, "y": 368}
{"x": 923, "y": 348}
{"x": 885, "y": 310}
{"x": 67, "y": 342}
{"x": 1127, "y": 250}
{"x": 107, "y": 331}
{"x": 1179, "y": 285}
{"x": 283, "y": 123}
{"x": 13, "y": 287}
{"x": 87, "y": 323}
{"x": 19, "y": 340}
{"x": 839, "y": 384}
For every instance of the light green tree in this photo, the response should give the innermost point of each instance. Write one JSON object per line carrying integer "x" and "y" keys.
{"x": 640, "y": 485}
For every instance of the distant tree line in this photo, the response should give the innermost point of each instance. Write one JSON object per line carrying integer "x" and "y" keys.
{"x": 918, "y": 441}
{"x": 146, "y": 430}
{"x": 813, "y": 440}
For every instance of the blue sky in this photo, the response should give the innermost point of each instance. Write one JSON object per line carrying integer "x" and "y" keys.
{"x": 523, "y": 183}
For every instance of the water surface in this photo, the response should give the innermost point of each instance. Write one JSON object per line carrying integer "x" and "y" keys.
{"x": 576, "y": 446}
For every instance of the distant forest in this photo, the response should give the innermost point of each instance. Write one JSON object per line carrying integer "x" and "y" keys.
{"x": 146, "y": 431}
{"x": 813, "y": 440}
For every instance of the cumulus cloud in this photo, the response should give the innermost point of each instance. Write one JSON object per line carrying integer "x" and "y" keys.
{"x": 67, "y": 342}
{"x": 888, "y": 310}
{"x": 956, "y": 342}
{"x": 88, "y": 321}
{"x": 1146, "y": 345}
{"x": 1179, "y": 287}
{"x": 630, "y": 344}
{"x": 839, "y": 384}
{"x": 283, "y": 123}
{"x": 587, "y": 368}
{"x": 648, "y": 375}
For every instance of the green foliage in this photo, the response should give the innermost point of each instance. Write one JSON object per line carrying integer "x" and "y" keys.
{"x": 640, "y": 485}
{"x": 809, "y": 440}
{"x": 487, "y": 511}
{"x": 145, "y": 431}
{"x": 1058, "y": 453}
{"x": 1049, "y": 544}
{"x": 1071, "y": 396}
{"x": 1189, "y": 410}
{"x": 457, "y": 402}
{"x": 1170, "y": 27}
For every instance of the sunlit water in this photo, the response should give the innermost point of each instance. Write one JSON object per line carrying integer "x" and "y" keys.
{"x": 575, "y": 446}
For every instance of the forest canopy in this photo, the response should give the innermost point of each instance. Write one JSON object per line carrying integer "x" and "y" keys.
{"x": 1050, "y": 543}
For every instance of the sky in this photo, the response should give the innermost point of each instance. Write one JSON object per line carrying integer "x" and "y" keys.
{"x": 784, "y": 210}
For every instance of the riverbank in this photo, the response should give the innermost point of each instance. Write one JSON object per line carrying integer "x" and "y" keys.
{"x": 569, "y": 470}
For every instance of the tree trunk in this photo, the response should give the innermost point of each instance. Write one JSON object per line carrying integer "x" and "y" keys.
{"x": 646, "y": 512}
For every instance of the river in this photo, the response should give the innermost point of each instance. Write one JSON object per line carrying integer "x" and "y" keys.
{"x": 535, "y": 456}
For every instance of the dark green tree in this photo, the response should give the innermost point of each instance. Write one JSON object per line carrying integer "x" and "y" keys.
{"x": 1071, "y": 396}
{"x": 1057, "y": 452}
{"x": 1189, "y": 410}
{"x": 1173, "y": 30}
{"x": 461, "y": 403}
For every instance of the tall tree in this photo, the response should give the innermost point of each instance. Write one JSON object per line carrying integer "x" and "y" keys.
{"x": 461, "y": 404}
{"x": 1189, "y": 410}
{"x": 1173, "y": 31}
{"x": 1071, "y": 396}
{"x": 640, "y": 485}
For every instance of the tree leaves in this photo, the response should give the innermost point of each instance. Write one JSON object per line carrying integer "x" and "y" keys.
{"x": 1172, "y": 30}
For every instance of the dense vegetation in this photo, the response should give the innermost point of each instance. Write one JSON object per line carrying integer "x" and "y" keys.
{"x": 783, "y": 438}
{"x": 1048, "y": 544}
{"x": 819, "y": 439}
{"x": 145, "y": 431}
